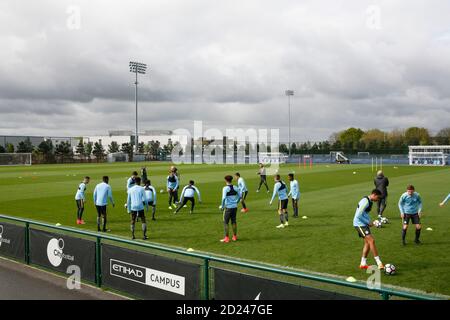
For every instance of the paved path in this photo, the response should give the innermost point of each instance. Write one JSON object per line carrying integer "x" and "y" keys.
{"x": 21, "y": 282}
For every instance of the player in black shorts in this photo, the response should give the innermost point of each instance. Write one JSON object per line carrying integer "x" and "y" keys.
{"x": 230, "y": 200}
{"x": 172, "y": 189}
{"x": 188, "y": 195}
{"x": 102, "y": 194}
{"x": 410, "y": 205}
{"x": 136, "y": 202}
{"x": 280, "y": 189}
{"x": 362, "y": 224}
{"x": 263, "y": 177}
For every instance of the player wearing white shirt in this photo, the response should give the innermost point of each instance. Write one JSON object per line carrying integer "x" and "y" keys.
{"x": 188, "y": 194}
{"x": 150, "y": 197}
{"x": 80, "y": 198}
{"x": 263, "y": 177}
{"x": 243, "y": 190}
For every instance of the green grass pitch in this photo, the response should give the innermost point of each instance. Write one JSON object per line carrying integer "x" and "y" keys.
{"x": 326, "y": 242}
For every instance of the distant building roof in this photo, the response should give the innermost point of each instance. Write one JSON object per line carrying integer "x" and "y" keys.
{"x": 120, "y": 133}
{"x": 146, "y": 133}
{"x": 158, "y": 132}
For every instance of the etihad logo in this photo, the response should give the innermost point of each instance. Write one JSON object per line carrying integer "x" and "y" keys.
{"x": 3, "y": 240}
{"x": 55, "y": 252}
{"x": 149, "y": 277}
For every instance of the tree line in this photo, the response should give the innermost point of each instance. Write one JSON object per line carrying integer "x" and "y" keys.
{"x": 351, "y": 141}
{"x": 375, "y": 141}
{"x": 62, "y": 152}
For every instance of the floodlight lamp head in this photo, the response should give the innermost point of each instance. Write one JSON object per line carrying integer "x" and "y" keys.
{"x": 289, "y": 92}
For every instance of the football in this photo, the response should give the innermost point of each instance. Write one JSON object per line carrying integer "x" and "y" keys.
{"x": 389, "y": 269}
{"x": 377, "y": 223}
{"x": 384, "y": 220}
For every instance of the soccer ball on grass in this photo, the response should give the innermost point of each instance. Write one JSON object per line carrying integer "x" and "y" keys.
{"x": 377, "y": 224}
{"x": 389, "y": 269}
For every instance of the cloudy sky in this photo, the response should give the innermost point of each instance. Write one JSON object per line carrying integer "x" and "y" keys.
{"x": 64, "y": 65}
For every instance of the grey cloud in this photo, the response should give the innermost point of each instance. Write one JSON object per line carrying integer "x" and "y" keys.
{"x": 226, "y": 63}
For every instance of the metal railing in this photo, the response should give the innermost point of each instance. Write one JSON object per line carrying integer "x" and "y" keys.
{"x": 385, "y": 293}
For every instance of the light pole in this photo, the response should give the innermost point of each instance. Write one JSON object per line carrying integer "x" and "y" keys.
{"x": 289, "y": 93}
{"x": 137, "y": 67}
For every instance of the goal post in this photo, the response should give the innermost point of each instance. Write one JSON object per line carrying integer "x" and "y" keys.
{"x": 307, "y": 160}
{"x": 271, "y": 157}
{"x": 117, "y": 157}
{"x": 15, "y": 159}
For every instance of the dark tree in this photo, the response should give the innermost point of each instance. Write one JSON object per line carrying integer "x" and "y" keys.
{"x": 99, "y": 151}
{"x": 25, "y": 146}
{"x": 128, "y": 149}
{"x": 113, "y": 147}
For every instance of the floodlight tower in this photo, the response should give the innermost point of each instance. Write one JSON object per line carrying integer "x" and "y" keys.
{"x": 137, "y": 67}
{"x": 289, "y": 93}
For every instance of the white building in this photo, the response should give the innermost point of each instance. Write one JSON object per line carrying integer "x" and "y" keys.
{"x": 429, "y": 155}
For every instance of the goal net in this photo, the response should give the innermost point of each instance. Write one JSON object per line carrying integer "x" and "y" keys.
{"x": 271, "y": 157}
{"x": 117, "y": 157}
{"x": 15, "y": 159}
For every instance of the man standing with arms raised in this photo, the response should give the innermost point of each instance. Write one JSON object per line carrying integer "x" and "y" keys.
{"x": 263, "y": 177}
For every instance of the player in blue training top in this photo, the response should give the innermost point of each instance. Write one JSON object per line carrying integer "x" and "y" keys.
{"x": 280, "y": 189}
{"x": 80, "y": 198}
{"x": 102, "y": 193}
{"x": 172, "y": 189}
{"x": 410, "y": 205}
{"x": 445, "y": 200}
{"x": 362, "y": 224}
{"x": 294, "y": 193}
{"x": 243, "y": 190}
{"x": 188, "y": 194}
{"x": 136, "y": 201}
{"x": 230, "y": 200}
{"x": 132, "y": 180}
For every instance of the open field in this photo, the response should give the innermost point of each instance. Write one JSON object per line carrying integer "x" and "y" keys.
{"x": 325, "y": 242}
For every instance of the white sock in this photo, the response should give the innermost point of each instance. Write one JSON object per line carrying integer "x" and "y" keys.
{"x": 363, "y": 261}
{"x": 378, "y": 260}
